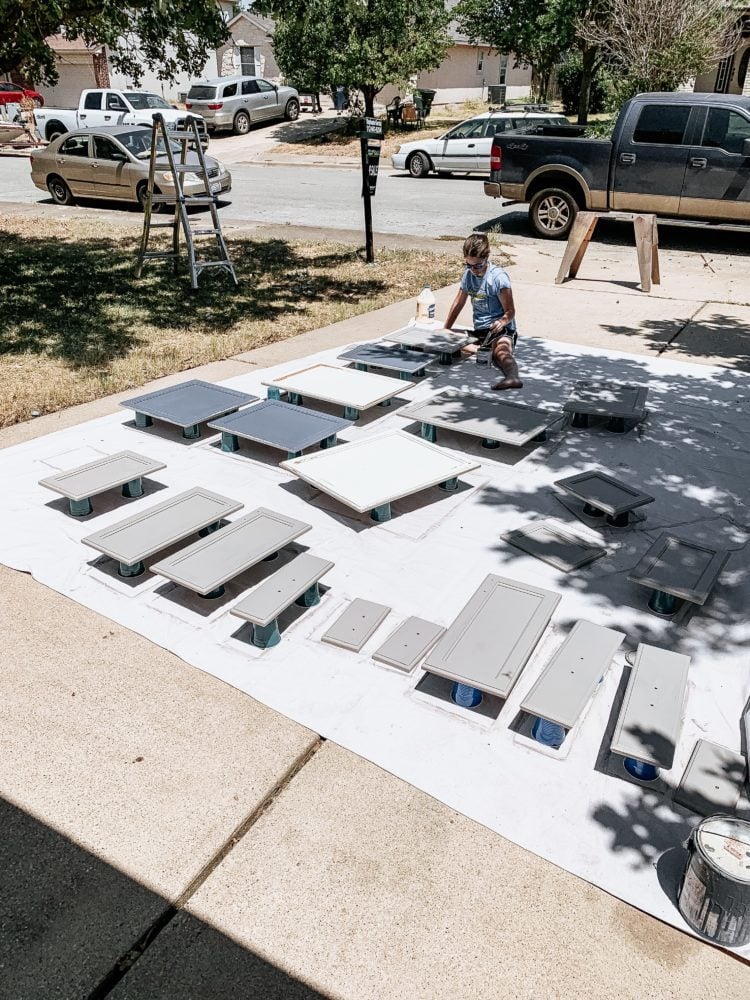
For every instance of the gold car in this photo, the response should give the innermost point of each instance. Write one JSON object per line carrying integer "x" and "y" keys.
{"x": 112, "y": 163}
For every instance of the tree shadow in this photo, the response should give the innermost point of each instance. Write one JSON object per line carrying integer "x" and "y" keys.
{"x": 81, "y": 303}
{"x": 75, "y": 926}
{"x": 689, "y": 453}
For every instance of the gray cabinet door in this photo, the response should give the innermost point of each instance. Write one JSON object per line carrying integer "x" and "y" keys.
{"x": 488, "y": 644}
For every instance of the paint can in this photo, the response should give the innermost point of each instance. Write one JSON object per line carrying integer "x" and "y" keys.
{"x": 714, "y": 896}
{"x": 483, "y": 357}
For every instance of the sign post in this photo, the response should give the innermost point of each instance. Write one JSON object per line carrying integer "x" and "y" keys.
{"x": 370, "y": 138}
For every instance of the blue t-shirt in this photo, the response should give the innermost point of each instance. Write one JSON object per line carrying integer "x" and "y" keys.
{"x": 484, "y": 292}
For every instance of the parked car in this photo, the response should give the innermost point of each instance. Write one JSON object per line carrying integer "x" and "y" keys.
{"x": 112, "y": 163}
{"x": 101, "y": 107}
{"x": 234, "y": 103}
{"x": 466, "y": 147}
{"x": 679, "y": 156}
{"x": 11, "y": 93}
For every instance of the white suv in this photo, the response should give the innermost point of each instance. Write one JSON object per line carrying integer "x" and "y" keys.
{"x": 466, "y": 147}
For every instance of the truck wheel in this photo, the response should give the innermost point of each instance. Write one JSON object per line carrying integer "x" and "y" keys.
{"x": 61, "y": 193}
{"x": 552, "y": 213}
{"x": 291, "y": 113}
{"x": 53, "y": 130}
{"x": 419, "y": 164}
{"x": 241, "y": 124}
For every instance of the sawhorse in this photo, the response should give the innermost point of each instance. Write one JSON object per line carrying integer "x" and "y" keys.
{"x": 646, "y": 245}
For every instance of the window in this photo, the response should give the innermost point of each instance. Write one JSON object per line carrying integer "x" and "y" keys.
{"x": 230, "y": 90}
{"x": 93, "y": 100}
{"x": 143, "y": 102}
{"x": 105, "y": 149}
{"x": 249, "y": 86}
{"x": 468, "y": 130}
{"x": 247, "y": 60}
{"x": 726, "y": 130}
{"x": 76, "y": 145}
{"x": 115, "y": 103}
{"x": 495, "y": 128}
{"x": 503, "y": 71}
{"x": 201, "y": 93}
{"x": 662, "y": 123}
{"x": 480, "y": 61}
{"x": 264, "y": 86}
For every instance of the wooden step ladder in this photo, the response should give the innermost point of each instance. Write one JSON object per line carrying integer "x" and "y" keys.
{"x": 191, "y": 138}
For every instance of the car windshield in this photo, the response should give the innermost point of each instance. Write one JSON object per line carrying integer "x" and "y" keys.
{"x": 201, "y": 93}
{"x": 138, "y": 142}
{"x": 144, "y": 101}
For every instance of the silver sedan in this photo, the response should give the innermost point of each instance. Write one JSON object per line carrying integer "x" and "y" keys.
{"x": 112, "y": 163}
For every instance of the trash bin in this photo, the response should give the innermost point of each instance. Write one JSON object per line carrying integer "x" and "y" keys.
{"x": 496, "y": 93}
{"x": 428, "y": 96}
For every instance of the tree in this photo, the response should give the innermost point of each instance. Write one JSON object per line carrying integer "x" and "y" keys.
{"x": 537, "y": 32}
{"x": 165, "y": 36}
{"x": 660, "y": 44}
{"x": 361, "y": 44}
{"x": 305, "y": 42}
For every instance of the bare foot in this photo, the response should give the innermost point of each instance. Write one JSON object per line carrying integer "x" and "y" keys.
{"x": 508, "y": 383}
{"x": 470, "y": 349}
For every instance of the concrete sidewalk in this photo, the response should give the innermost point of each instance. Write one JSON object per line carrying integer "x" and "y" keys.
{"x": 168, "y": 837}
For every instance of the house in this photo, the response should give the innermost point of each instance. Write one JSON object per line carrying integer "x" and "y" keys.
{"x": 730, "y": 75}
{"x": 80, "y": 67}
{"x": 250, "y": 48}
{"x": 468, "y": 71}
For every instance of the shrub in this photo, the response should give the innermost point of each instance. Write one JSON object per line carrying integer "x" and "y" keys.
{"x": 569, "y": 82}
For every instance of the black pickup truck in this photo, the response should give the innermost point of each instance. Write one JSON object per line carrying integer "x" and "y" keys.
{"x": 681, "y": 156}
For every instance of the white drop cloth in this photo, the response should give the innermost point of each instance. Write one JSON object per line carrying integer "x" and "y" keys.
{"x": 692, "y": 454}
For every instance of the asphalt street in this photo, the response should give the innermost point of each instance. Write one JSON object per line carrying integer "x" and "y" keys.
{"x": 320, "y": 197}
{"x": 328, "y": 198}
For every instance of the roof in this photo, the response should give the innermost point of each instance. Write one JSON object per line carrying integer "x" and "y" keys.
{"x": 267, "y": 24}
{"x": 731, "y": 100}
{"x": 59, "y": 43}
{"x": 109, "y": 130}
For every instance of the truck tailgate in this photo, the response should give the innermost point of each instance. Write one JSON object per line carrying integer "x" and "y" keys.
{"x": 524, "y": 157}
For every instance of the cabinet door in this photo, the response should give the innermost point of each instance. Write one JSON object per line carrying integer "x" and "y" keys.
{"x": 651, "y": 159}
{"x": 717, "y": 178}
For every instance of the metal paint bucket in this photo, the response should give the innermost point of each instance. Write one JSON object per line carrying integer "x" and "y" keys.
{"x": 714, "y": 896}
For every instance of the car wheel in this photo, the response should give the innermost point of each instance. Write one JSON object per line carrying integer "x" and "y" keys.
{"x": 291, "y": 112}
{"x": 141, "y": 193}
{"x": 419, "y": 165}
{"x": 241, "y": 124}
{"x": 61, "y": 193}
{"x": 552, "y": 213}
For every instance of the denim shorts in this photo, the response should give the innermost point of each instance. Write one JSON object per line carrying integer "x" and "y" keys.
{"x": 481, "y": 334}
